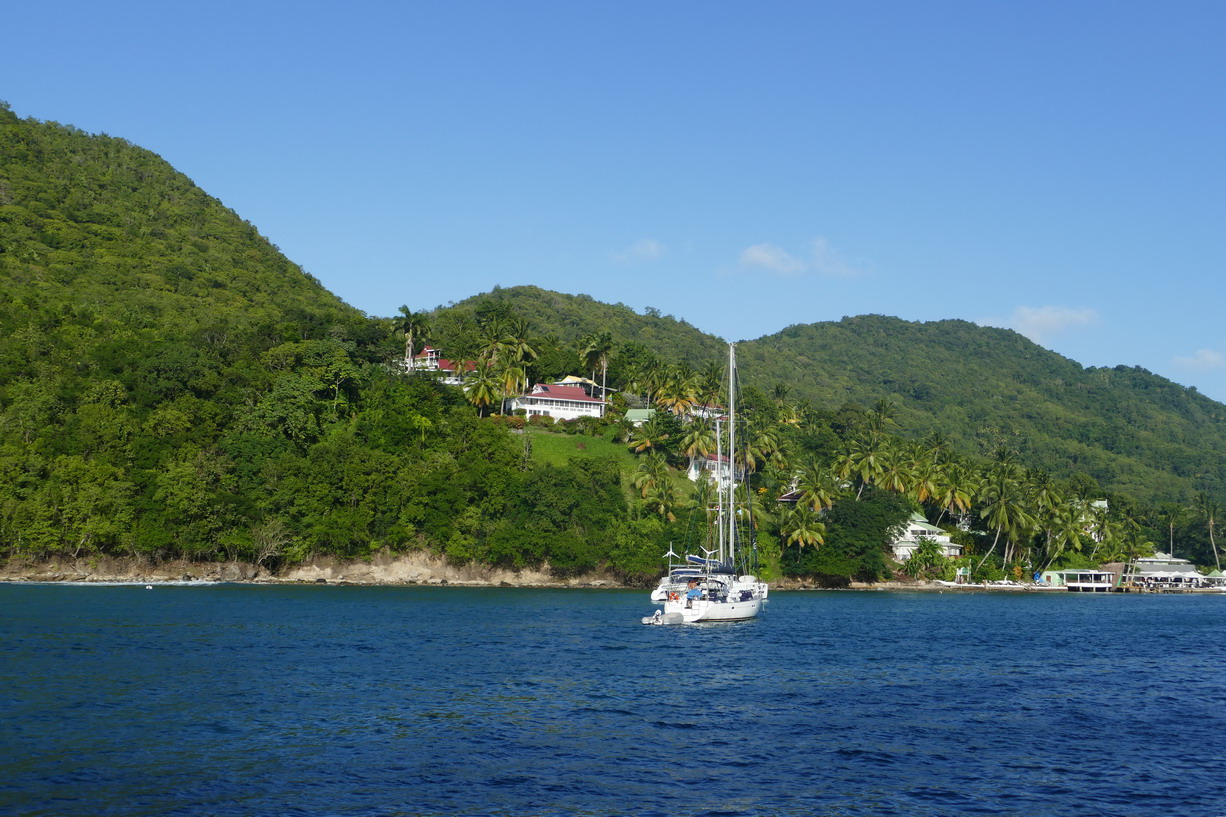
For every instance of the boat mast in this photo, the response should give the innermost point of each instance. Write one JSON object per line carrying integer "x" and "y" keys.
{"x": 731, "y": 455}
{"x": 719, "y": 491}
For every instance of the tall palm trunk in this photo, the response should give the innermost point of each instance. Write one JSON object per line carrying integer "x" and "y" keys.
{"x": 1213, "y": 545}
{"x": 989, "y": 553}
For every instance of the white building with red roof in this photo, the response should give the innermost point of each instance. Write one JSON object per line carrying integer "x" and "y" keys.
{"x": 558, "y": 402}
{"x": 430, "y": 359}
{"x": 719, "y": 468}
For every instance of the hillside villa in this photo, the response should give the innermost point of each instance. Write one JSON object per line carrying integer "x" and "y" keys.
{"x": 920, "y": 528}
{"x": 430, "y": 359}
{"x": 717, "y": 467}
{"x": 561, "y": 402}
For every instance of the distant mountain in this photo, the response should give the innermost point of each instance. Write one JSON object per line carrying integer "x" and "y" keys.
{"x": 1130, "y": 429}
{"x": 981, "y": 387}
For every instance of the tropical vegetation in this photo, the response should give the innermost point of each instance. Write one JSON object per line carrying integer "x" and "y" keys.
{"x": 171, "y": 386}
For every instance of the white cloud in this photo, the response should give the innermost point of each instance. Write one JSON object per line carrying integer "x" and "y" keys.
{"x": 775, "y": 259}
{"x": 822, "y": 259}
{"x": 1039, "y": 323}
{"x": 646, "y": 249}
{"x": 1202, "y": 361}
{"x": 829, "y": 262}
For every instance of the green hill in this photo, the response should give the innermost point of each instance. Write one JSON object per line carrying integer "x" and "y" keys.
{"x": 171, "y": 386}
{"x": 569, "y": 317}
{"x": 97, "y": 225}
{"x": 983, "y": 388}
{"x": 1131, "y": 430}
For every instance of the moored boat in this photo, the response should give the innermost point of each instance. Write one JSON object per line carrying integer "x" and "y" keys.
{"x": 717, "y": 586}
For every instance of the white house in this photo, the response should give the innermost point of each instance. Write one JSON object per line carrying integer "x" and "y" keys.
{"x": 558, "y": 402}
{"x": 430, "y": 359}
{"x": 1081, "y": 580}
{"x": 919, "y": 528}
{"x": 1163, "y": 572}
{"x": 719, "y": 468}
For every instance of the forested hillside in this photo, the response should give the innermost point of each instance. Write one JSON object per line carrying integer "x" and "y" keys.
{"x": 171, "y": 386}
{"x": 982, "y": 388}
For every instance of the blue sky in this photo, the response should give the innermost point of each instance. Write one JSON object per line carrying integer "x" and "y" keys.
{"x": 1055, "y": 167}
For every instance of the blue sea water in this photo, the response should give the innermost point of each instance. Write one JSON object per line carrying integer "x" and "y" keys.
{"x": 258, "y": 700}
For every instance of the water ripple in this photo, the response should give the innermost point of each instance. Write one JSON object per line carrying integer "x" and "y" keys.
{"x": 231, "y": 700}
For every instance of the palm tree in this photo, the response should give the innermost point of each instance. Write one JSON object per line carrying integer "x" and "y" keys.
{"x": 412, "y": 325}
{"x": 816, "y": 487}
{"x": 422, "y": 424}
{"x": 490, "y": 340}
{"x": 462, "y": 351}
{"x": 761, "y": 445}
{"x": 512, "y": 378}
{"x": 678, "y": 390}
{"x": 802, "y": 528}
{"x": 1065, "y": 526}
{"x": 748, "y": 509}
{"x": 482, "y": 388}
{"x": 594, "y": 352}
{"x": 516, "y": 344}
{"x": 634, "y": 376}
{"x": 1103, "y": 529}
{"x": 927, "y": 477}
{"x": 1209, "y": 510}
{"x": 1173, "y": 514}
{"x": 699, "y": 440}
{"x": 1003, "y": 505}
{"x": 650, "y": 435}
{"x": 936, "y": 447}
{"x": 660, "y": 499}
{"x": 655, "y": 486}
{"x": 1045, "y": 500}
{"x": 896, "y": 474}
{"x": 711, "y": 383}
{"x": 956, "y": 489}
{"x": 1042, "y": 490}
{"x": 862, "y": 461}
{"x": 881, "y": 418}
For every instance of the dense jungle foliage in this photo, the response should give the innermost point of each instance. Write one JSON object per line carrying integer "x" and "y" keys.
{"x": 172, "y": 387}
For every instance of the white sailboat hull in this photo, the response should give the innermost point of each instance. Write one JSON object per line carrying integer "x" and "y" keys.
{"x": 701, "y": 610}
{"x": 707, "y": 588}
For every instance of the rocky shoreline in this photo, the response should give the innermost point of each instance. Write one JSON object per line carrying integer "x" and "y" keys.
{"x": 408, "y": 569}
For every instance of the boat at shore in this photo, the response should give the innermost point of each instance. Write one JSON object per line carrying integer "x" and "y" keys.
{"x": 718, "y": 585}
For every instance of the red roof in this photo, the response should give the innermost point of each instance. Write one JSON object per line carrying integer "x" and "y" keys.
{"x": 562, "y": 393}
{"x": 442, "y": 362}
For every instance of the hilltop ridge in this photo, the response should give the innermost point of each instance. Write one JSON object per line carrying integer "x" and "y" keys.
{"x": 982, "y": 387}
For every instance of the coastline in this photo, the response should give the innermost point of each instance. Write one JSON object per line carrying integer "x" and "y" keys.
{"x": 384, "y": 569}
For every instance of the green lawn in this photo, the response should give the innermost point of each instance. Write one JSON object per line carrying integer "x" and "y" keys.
{"x": 555, "y": 449}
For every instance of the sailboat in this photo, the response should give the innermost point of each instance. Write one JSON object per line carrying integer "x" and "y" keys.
{"x": 715, "y": 586}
